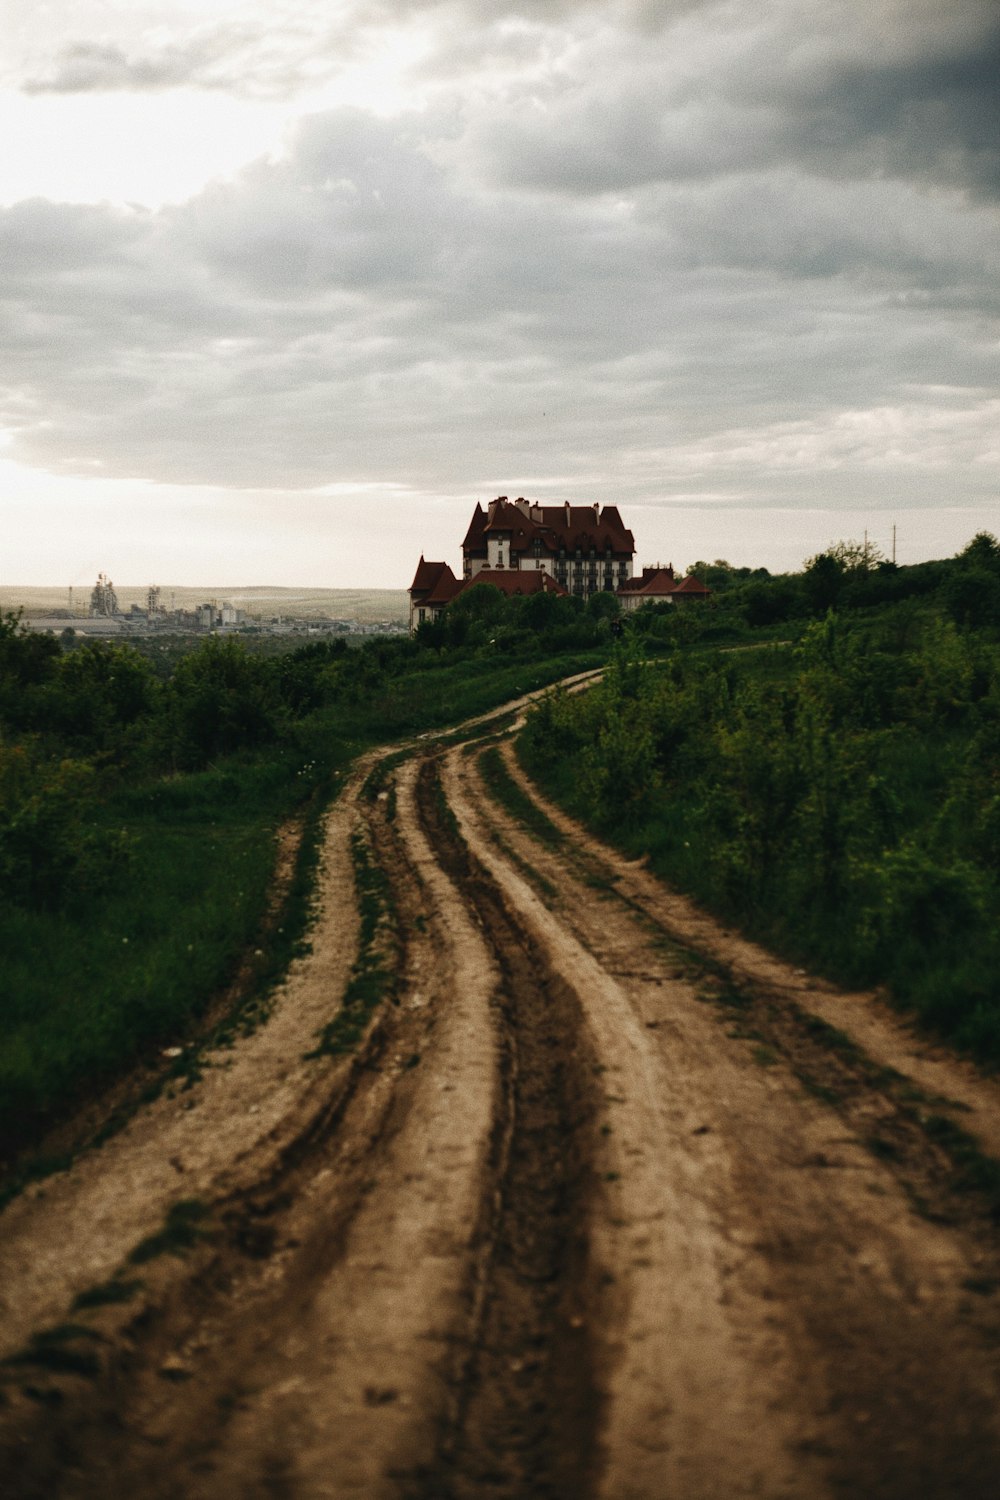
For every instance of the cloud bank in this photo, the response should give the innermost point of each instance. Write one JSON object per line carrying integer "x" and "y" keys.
{"x": 622, "y": 249}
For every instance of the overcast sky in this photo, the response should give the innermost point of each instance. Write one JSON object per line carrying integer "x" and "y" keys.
{"x": 285, "y": 288}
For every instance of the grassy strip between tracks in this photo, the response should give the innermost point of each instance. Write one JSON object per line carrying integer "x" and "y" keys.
{"x": 505, "y": 790}
{"x": 174, "y": 898}
{"x": 373, "y": 976}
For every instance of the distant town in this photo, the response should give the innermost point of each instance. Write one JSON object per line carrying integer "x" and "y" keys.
{"x": 104, "y": 611}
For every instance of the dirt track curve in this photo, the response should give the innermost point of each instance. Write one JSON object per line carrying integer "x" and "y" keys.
{"x": 605, "y": 1202}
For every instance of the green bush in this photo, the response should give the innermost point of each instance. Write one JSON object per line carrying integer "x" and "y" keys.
{"x": 840, "y": 799}
{"x": 48, "y": 848}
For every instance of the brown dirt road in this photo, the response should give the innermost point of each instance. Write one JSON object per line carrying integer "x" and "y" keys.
{"x": 606, "y": 1202}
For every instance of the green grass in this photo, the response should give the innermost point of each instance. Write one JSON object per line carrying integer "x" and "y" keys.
{"x": 373, "y": 977}
{"x": 513, "y": 798}
{"x": 87, "y": 993}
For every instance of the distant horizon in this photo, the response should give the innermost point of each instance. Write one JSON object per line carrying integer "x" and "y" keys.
{"x": 232, "y": 588}
{"x": 51, "y": 601}
{"x": 643, "y": 558}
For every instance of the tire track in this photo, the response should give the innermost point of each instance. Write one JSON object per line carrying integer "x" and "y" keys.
{"x": 817, "y": 1245}
{"x": 524, "y": 1417}
{"x": 680, "y": 1370}
{"x": 307, "y": 1349}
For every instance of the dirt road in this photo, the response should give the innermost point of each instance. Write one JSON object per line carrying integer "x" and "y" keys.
{"x": 598, "y": 1201}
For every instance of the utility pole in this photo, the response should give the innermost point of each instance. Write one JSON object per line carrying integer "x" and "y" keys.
{"x": 894, "y": 544}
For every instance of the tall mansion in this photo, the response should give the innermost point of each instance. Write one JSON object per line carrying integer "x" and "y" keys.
{"x": 522, "y": 548}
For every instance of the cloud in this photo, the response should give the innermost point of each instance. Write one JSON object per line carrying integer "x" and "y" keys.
{"x": 622, "y": 249}
{"x": 242, "y": 59}
{"x": 717, "y": 92}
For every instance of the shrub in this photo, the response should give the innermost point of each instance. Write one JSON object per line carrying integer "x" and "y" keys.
{"x": 47, "y": 846}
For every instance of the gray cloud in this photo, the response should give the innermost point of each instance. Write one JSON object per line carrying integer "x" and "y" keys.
{"x": 766, "y": 92}
{"x": 266, "y": 56}
{"x": 679, "y": 256}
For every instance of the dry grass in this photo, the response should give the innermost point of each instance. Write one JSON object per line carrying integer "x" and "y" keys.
{"x": 365, "y": 605}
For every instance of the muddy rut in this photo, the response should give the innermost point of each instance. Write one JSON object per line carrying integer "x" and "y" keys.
{"x": 535, "y": 1182}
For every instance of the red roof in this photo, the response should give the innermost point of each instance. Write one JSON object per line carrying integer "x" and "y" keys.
{"x": 660, "y": 583}
{"x": 475, "y": 537}
{"x": 445, "y": 589}
{"x": 512, "y": 581}
{"x": 651, "y": 583}
{"x": 556, "y": 526}
{"x": 692, "y": 585}
{"x": 433, "y": 579}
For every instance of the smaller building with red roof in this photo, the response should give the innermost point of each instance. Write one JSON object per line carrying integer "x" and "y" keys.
{"x": 658, "y": 585}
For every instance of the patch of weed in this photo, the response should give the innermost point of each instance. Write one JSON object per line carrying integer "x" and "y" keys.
{"x": 375, "y": 782}
{"x": 883, "y": 1149}
{"x": 183, "y": 1228}
{"x": 829, "y": 1036}
{"x": 512, "y": 797}
{"x": 35, "y": 1169}
{"x": 372, "y": 978}
{"x": 975, "y": 1171}
{"x": 53, "y": 1349}
{"x": 107, "y": 1293}
{"x": 822, "y": 1091}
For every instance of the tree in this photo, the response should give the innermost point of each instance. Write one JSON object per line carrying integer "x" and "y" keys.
{"x": 851, "y": 557}
{"x": 822, "y": 582}
{"x": 222, "y": 699}
{"x": 982, "y": 552}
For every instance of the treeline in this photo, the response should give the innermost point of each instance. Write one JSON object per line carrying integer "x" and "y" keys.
{"x": 839, "y": 798}
{"x": 847, "y": 577}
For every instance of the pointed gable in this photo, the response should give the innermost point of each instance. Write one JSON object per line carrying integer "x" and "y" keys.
{"x": 693, "y": 587}
{"x": 475, "y": 537}
{"x": 432, "y": 581}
